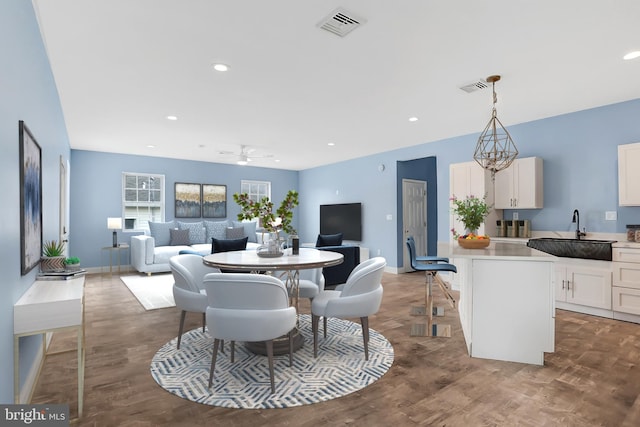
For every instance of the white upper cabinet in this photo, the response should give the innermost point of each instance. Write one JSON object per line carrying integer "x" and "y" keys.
{"x": 470, "y": 179}
{"x": 629, "y": 174}
{"x": 520, "y": 185}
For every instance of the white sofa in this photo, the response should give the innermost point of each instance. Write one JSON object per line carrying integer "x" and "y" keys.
{"x": 150, "y": 253}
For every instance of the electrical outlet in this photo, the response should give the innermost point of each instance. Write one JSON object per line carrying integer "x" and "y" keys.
{"x": 379, "y": 251}
{"x": 389, "y": 217}
{"x": 515, "y": 216}
{"x": 611, "y": 216}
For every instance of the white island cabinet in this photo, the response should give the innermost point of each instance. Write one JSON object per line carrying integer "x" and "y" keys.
{"x": 506, "y": 302}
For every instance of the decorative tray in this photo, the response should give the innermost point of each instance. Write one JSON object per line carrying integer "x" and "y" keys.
{"x": 270, "y": 254}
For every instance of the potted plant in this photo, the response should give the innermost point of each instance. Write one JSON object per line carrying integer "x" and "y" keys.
{"x": 72, "y": 263}
{"x": 472, "y": 211}
{"x": 52, "y": 256}
{"x": 250, "y": 209}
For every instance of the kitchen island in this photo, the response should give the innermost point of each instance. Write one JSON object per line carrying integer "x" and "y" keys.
{"x": 507, "y": 301}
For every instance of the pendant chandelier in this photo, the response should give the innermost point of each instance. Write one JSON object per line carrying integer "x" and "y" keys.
{"x": 495, "y": 150}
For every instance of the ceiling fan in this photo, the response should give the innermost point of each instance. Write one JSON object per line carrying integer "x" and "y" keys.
{"x": 245, "y": 155}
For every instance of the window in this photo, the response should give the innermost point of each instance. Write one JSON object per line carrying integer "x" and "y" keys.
{"x": 142, "y": 200}
{"x": 256, "y": 189}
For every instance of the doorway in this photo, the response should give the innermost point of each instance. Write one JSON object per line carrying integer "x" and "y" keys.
{"x": 64, "y": 206}
{"x": 414, "y": 217}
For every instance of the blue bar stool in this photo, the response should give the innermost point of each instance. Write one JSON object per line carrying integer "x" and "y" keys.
{"x": 431, "y": 266}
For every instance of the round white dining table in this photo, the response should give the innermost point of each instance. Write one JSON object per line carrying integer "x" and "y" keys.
{"x": 249, "y": 261}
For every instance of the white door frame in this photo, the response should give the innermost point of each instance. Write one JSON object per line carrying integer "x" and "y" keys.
{"x": 63, "y": 226}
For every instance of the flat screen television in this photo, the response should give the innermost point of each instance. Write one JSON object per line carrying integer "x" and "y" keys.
{"x": 345, "y": 218}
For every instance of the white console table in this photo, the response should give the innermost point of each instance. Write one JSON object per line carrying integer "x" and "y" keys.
{"x": 50, "y": 306}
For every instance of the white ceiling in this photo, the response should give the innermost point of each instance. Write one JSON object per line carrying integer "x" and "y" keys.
{"x": 122, "y": 66}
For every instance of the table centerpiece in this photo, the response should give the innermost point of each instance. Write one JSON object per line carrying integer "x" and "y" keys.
{"x": 472, "y": 212}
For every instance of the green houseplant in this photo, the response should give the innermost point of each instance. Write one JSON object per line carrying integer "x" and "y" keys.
{"x": 72, "y": 263}
{"x": 263, "y": 210}
{"x": 52, "y": 256}
{"x": 472, "y": 211}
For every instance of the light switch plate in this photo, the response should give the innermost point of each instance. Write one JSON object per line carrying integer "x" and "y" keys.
{"x": 611, "y": 216}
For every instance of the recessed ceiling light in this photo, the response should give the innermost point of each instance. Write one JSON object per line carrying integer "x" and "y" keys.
{"x": 277, "y": 160}
{"x": 331, "y": 144}
{"x": 632, "y": 55}
{"x": 151, "y": 146}
{"x": 413, "y": 119}
{"x": 173, "y": 118}
{"x": 220, "y": 67}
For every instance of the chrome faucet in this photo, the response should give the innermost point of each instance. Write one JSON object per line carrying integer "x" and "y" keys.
{"x": 576, "y": 220}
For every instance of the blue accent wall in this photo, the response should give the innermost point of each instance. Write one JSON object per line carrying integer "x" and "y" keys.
{"x": 28, "y": 93}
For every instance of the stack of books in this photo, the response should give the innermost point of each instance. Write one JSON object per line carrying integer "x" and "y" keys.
{"x": 61, "y": 275}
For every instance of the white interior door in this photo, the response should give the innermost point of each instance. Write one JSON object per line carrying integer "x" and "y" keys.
{"x": 414, "y": 217}
{"x": 64, "y": 205}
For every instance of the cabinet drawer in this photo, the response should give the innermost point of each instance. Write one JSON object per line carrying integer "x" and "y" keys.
{"x": 626, "y": 300}
{"x": 626, "y": 255}
{"x": 626, "y": 274}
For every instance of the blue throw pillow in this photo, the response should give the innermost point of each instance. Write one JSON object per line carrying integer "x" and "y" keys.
{"x": 227, "y": 245}
{"x": 329, "y": 240}
{"x": 160, "y": 232}
{"x": 196, "y": 231}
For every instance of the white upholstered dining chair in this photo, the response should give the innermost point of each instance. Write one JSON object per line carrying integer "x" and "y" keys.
{"x": 360, "y": 296}
{"x": 311, "y": 282}
{"x": 251, "y": 308}
{"x": 188, "y": 290}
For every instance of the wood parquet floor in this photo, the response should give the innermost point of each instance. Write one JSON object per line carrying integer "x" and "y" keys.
{"x": 592, "y": 379}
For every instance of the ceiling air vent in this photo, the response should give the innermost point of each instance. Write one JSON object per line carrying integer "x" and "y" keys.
{"x": 341, "y": 22}
{"x": 474, "y": 86}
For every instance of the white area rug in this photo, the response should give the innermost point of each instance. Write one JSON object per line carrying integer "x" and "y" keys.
{"x": 155, "y": 291}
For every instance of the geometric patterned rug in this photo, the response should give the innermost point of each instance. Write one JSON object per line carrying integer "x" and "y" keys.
{"x": 340, "y": 368}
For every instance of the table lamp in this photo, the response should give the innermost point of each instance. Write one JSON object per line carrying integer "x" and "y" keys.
{"x": 114, "y": 224}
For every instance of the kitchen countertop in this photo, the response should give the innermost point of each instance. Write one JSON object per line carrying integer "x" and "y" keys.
{"x": 496, "y": 250}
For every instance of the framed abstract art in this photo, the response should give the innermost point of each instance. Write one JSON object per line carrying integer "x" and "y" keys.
{"x": 214, "y": 201}
{"x": 30, "y": 199}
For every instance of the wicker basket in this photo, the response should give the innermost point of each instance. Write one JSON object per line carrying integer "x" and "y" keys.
{"x": 474, "y": 243}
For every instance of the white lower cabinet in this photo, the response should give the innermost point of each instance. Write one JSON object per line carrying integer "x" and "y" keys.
{"x": 626, "y": 280}
{"x": 583, "y": 285}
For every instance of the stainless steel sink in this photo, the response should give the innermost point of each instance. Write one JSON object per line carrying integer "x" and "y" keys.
{"x": 574, "y": 248}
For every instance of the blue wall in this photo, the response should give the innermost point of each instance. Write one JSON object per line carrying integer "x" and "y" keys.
{"x": 28, "y": 93}
{"x": 96, "y": 190}
{"x": 580, "y": 172}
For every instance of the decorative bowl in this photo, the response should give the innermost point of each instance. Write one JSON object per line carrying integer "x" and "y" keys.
{"x": 473, "y": 243}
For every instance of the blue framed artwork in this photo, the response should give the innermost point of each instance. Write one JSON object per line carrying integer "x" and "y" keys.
{"x": 30, "y": 200}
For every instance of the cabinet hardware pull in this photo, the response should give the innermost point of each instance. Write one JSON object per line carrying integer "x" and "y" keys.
{"x": 563, "y": 284}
